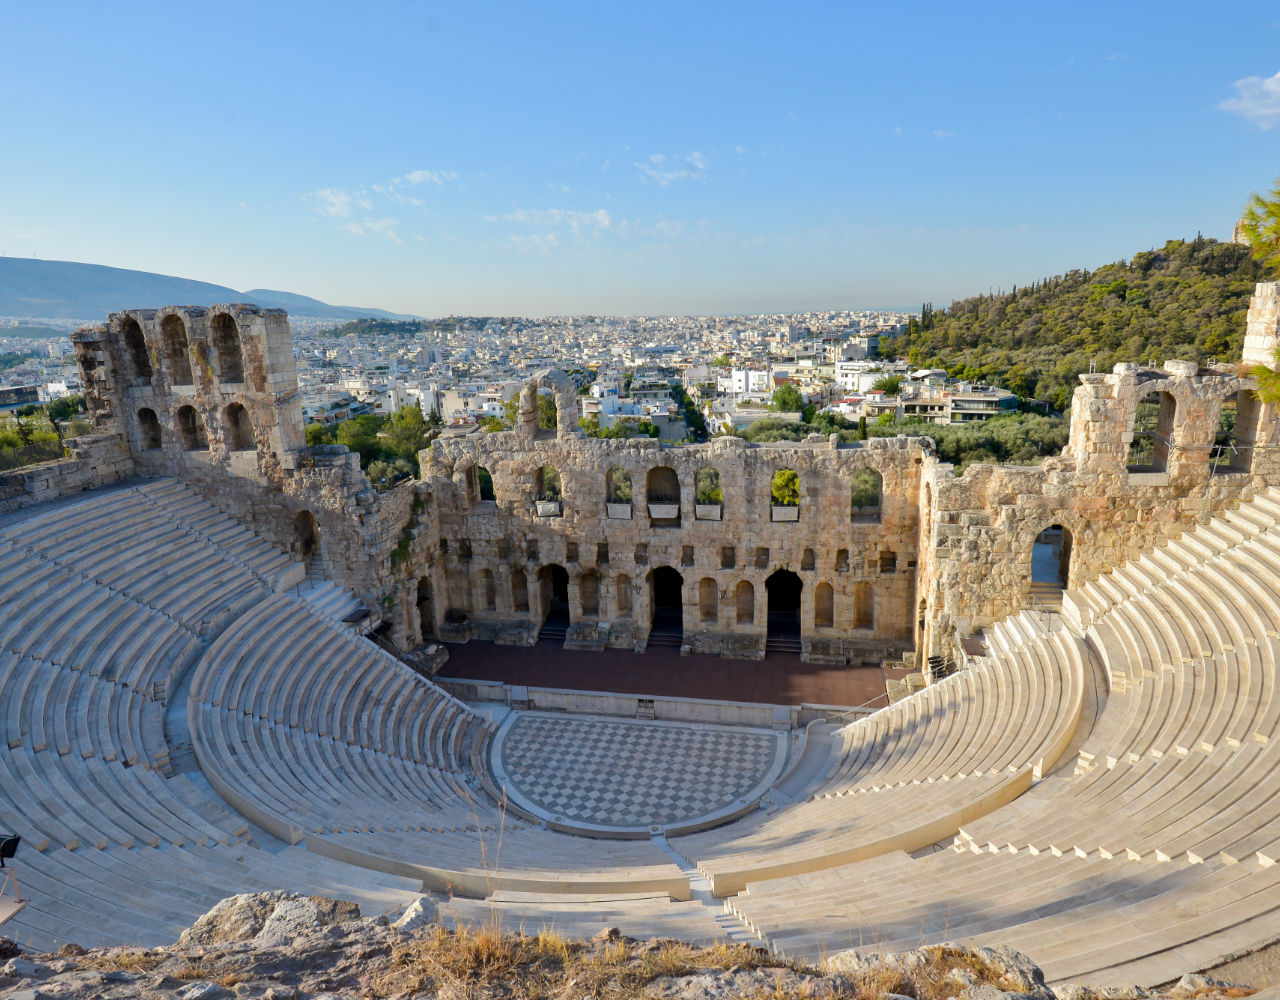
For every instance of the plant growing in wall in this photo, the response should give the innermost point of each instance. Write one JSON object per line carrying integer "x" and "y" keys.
{"x": 785, "y": 488}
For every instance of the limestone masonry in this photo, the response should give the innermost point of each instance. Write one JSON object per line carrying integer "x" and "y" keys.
{"x": 210, "y": 396}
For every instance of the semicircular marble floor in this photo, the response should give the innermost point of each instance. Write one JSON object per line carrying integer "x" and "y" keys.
{"x": 625, "y": 776}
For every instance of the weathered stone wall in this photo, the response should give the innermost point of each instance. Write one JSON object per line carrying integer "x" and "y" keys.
{"x": 486, "y": 545}
{"x": 941, "y": 557}
{"x": 94, "y": 461}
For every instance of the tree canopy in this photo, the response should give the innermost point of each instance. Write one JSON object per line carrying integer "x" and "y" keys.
{"x": 788, "y": 398}
{"x": 1186, "y": 300}
{"x": 1261, "y": 225}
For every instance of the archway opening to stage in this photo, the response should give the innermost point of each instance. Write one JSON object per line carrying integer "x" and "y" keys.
{"x": 667, "y": 602}
{"x": 554, "y": 589}
{"x": 784, "y": 589}
{"x": 1050, "y": 564}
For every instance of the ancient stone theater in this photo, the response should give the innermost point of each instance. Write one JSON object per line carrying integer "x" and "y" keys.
{"x": 219, "y": 654}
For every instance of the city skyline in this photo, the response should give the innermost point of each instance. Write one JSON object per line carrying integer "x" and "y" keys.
{"x": 449, "y": 159}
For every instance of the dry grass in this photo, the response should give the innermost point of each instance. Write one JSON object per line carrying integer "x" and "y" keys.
{"x": 125, "y": 960}
{"x": 482, "y": 961}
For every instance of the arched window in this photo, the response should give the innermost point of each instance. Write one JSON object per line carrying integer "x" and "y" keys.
{"x": 842, "y": 560}
{"x": 864, "y": 495}
{"x": 149, "y": 424}
{"x": 1050, "y": 561}
{"x": 174, "y": 334}
{"x": 824, "y": 600}
{"x": 710, "y": 497}
{"x": 808, "y": 560}
{"x": 191, "y": 429}
{"x": 488, "y": 589}
{"x": 1233, "y": 440}
{"x": 136, "y": 344}
{"x": 519, "y": 590}
{"x": 548, "y": 417}
{"x": 226, "y": 348}
{"x": 589, "y": 594}
{"x": 1152, "y": 430}
{"x": 617, "y": 485}
{"x": 784, "y": 495}
{"x": 546, "y": 482}
{"x": 708, "y": 600}
{"x": 480, "y": 485}
{"x": 864, "y": 606}
{"x": 662, "y": 493}
{"x": 239, "y": 429}
{"x": 622, "y": 596}
{"x": 745, "y": 599}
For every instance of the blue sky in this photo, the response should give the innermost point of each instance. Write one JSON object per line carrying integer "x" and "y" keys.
{"x": 654, "y": 157}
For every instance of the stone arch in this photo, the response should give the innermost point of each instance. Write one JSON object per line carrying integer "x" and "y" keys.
{"x": 426, "y": 612}
{"x": 824, "y": 605}
{"x": 864, "y": 606}
{"x": 1051, "y": 560}
{"x": 177, "y": 352}
{"x": 1153, "y": 422}
{"x": 745, "y": 601}
{"x": 842, "y": 560}
{"x": 480, "y": 485}
{"x": 708, "y": 601}
{"x": 565, "y": 393}
{"x": 666, "y": 603}
{"x": 224, "y": 333}
{"x": 239, "y": 428}
{"x": 865, "y": 493}
{"x": 589, "y": 593}
{"x": 1236, "y": 433}
{"x": 306, "y": 537}
{"x": 547, "y": 483}
{"x": 191, "y": 429}
{"x": 149, "y": 423}
{"x": 519, "y": 590}
{"x": 784, "y": 494}
{"x": 622, "y": 596}
{"x": 135, "y": 343}
{"x": 617, "y": 485}
{"x": 488, "y": 590}
{"x": 708, "y": 486}
{"x": 808, "y": 560}
{"x": 662, "y": 494}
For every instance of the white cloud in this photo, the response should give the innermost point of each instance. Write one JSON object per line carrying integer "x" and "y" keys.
{"x": 388, "y": 227}
{"x": 740, "y": 150}
{"x": 534, "y": 242}
{"x": 9, "y": 233}
{"x": 575, "y": 220}
{"x": 1258, "y": 101}
{"x": 665, "y": 169}
{"x": 332, "y": 202}
{"x": 941, "y": 134}
{"x": 426, "y": 177}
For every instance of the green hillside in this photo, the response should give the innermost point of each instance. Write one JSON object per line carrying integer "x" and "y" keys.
{"x": 1186, "y": 300}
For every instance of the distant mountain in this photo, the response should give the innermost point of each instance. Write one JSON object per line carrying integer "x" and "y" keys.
{"x": 59, "y": 289}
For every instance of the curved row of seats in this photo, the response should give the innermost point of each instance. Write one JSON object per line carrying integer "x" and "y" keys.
{"x": 322, "y": 738}
{"x": 1159, "y": 851}
{"x": 92, "y": 638}
{"x": 910, "y": 775}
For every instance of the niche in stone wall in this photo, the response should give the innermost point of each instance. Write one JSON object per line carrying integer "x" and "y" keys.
{"x": 173, "y": 333}
{"x": 225, "y": 335}
{"x": 745, "y": 602}
{"x": 149, "y": 425}
{"x": 135, "y": 343}
{"x": 519, "y": 590}
{"x": 622, "y": 596}
{"x": 824, "y": 605}
{"x": 191, "y": 429}
{"x": 239, "y": 429}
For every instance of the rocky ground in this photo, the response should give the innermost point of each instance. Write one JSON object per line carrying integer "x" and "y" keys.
{"x": 282, "y": 946}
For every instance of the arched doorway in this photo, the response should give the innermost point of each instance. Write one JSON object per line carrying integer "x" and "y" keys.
{"x": 553, "y": 590}
{"x": 783, "y": 588}
{"x": 306, "y": 537}
{"x": 1050, "y": 565}
{"x": 666, "y": 590}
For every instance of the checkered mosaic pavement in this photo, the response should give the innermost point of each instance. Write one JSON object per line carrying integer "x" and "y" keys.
{"x": 617, "y": 773}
